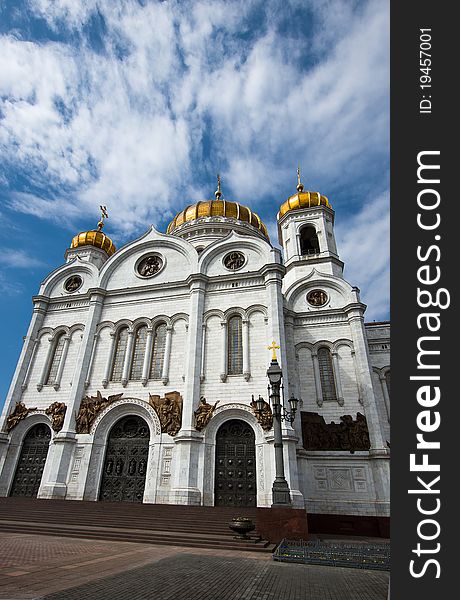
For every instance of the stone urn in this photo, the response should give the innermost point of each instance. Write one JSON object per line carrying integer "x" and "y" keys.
{"x": 242, "y": 526}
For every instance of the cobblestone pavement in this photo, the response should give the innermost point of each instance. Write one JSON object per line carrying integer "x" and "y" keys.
{"x": 47, "y": 568}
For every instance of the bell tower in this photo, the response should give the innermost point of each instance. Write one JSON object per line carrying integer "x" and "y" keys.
{"x": 306, "y": 232}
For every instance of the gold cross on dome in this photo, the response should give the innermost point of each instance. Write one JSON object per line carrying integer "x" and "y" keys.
{"x": 218, "y": 192}
{"x": 104, "y": 215}
{"x": 273, "y": 347}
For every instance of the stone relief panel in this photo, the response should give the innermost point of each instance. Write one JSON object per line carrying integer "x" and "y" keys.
{"x": 340, "y": 479}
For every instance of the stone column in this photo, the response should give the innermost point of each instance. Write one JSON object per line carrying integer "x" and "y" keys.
{"x": 91, "y": 360}
{"x": 22, "y": 369}
{"x": 47, "y": 364}
{"x": 319, "y": 389}
{"x": 386, "y": 396}
{"x": 378, "y": 451}
{"x": 108, "y": 365}
{"x": 185, "y": 487}
{"x": 338, "y": 381}
{"x": 36, "y": 347}
{"x": 165, "y": 371}
{"x": 147, "y": 356}
{"x": 60, "y": 453}
{"x": 223, "y": 358}
{"x": 246, "y": 364}
{"x": 273, "y": 277}
{"x": 65, "y": 349}
{"x": 128, "y": 358}
{"x": 203, "y": 353}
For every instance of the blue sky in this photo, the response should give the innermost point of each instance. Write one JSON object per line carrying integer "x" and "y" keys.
{"x": 137, "y": 104}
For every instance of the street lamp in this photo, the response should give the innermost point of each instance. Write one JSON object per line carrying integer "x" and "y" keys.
{"x": 280, "y": 489}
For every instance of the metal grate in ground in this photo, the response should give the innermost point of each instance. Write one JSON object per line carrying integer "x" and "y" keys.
{"x": 375, "y": 556}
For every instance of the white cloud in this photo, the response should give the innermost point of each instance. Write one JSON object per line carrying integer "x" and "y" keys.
{"x": 364, "y": 245}
{"x": 125, "y": 125}
{"x": 18, "y": 259}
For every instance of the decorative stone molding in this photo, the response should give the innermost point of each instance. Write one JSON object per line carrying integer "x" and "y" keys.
{"x": 135, "y": 403}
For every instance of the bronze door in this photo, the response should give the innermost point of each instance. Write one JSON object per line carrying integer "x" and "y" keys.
{"x": 31, "y": 461}
{"x": 125, "y": 465}
{"x": 235, "y": 480}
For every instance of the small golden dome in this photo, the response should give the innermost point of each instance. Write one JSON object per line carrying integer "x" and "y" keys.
{"x": 303, "y": 200}
{"x": 218, "y": 208}
{"x": 94, "y": 238}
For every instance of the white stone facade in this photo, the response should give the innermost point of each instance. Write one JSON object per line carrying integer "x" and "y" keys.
{"x": 195, "y": 295}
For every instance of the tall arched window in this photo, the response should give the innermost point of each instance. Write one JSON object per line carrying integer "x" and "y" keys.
{"x": 309, "y": 243}
{"x": 158, "y": 353}
{"x": 55, "y": 361}
{"x": 235, "y": 346}
{"x": 387, "y": 381}
{"x": 137, "y": 362}
{"x": 119, "y": 354}
{"x": 326, "y": 373}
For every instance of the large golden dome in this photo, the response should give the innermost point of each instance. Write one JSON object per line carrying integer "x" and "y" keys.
{"x": 94, "y": 238}
{"x": 217, "y": 208}
{"x": 302, "y": 199}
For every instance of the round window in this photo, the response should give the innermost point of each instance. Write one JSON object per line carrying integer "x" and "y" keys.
{"x": 149, "y": 265}
{"x": 72, "y": 284}
{"x": 234, "y": 261}
{"x": 317, "y": 297}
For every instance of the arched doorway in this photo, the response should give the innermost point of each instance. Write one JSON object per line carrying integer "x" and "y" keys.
{"x": 125, "y": 465}
{"x": 31, "y": 461}
{"x": 235, "y": 479}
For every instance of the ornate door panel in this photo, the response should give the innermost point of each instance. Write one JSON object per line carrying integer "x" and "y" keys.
{"x": 31, "y": 461}
{"x": 235, "y": 480}
{"x": 125, "y": 465}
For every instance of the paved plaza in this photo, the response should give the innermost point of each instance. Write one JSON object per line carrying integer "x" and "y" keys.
{"x": 49, "y": 568}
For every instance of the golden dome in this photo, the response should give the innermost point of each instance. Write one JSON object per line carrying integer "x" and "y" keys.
{"x": 303, "y": 200}
{"x": 217, "y": 208}
{"x": 94, "y": 238}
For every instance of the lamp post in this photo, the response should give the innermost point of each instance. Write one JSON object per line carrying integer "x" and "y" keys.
{"x": 280, "y": 489}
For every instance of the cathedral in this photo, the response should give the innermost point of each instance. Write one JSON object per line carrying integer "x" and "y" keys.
{"x": 140, "y": 372}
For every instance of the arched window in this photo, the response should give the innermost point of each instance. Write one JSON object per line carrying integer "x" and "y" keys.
{"x": 137, "y": 362}
{"x": 158, "y": 353}
{"x": 119, "y": 354}
{"x": 326, "y": 373}
{"x": 55, "y": 361}
{"x": 309, "y": 243}
{"x": 387, "y": 381}
{"x": 235, "y": 346}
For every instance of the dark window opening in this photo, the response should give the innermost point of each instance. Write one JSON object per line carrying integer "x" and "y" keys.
{"x": 309, "y": 243}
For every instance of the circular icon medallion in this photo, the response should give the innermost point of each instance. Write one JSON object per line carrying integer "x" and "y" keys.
{"x": 73, "y": 283}
{"x": 234, "y": 261}
{"x": 317, "y": 297}
{"x": 149, "y": 266}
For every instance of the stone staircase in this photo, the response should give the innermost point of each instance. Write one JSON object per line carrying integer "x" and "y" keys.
{"x": 172, "y": 525}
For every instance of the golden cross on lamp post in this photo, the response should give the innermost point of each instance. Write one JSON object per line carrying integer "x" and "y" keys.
{"x": 104, "y": 215}
{"x": 273, "y": 347}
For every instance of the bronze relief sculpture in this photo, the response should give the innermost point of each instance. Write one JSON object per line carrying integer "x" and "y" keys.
{"x": 90, "y": 407}
{"x": 169, "y": 411}
{"x": 19, "y": 413}
{"x": 57, "y": 413}
{"x": 204, "y": 413}
{"x": 350, "y": 434}
{"x": 264, "y": 416}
